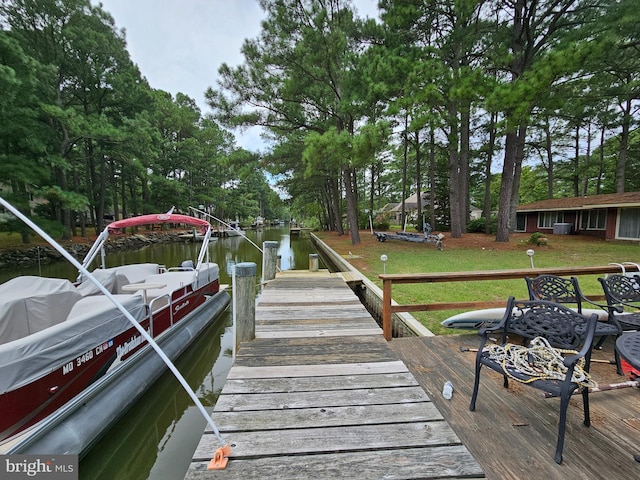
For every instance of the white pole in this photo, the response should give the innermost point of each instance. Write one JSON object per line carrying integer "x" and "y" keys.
{"x": 234, "y": 310}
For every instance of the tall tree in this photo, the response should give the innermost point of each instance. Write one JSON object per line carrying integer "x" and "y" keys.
{"x": 537, "y": 34}
{"x": 302, "y": 73}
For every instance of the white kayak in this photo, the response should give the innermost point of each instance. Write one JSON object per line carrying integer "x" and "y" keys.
{"x": 476, "y": 319}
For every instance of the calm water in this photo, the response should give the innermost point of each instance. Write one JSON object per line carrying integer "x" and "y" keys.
{"x": 156, "y": 438}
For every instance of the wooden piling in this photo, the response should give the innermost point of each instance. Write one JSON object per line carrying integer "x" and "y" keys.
{"x": 269, "y": 260}
{"x": 244, "y": 302}
{"x": 313, "y": 262}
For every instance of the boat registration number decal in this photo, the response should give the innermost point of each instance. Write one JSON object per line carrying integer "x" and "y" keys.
{"x": 85, "y": 357}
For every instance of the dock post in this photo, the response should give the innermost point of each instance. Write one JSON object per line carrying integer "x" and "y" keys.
{"x": 386, "y": 309}
{"x": 244, "y": 302}
{"x": 313, "y": 262}
{"x": 269, "y": 260}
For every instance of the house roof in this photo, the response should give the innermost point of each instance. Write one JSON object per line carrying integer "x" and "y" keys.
{"x": 388, "y": 207}
{"x": 628, "y": 199}
{"x": 410, "y": 203}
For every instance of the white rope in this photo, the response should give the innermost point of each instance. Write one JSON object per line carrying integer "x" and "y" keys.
{"x": 539, "y": 361}
{"x": 202, "y": 212}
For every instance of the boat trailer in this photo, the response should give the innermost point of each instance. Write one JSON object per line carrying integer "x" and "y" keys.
{"x": 428, "y": 237}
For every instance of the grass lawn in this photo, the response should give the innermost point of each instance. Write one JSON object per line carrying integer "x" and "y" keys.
{"x": 475, "y": 252}
{"x": 10, "y": 240}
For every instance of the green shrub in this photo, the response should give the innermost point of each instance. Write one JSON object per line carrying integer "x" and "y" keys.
{"x": 382, "y": 221}
{"x": 479, "y": 225}
{"x": 537, "y": 238}
{"x": 382, "y": 225}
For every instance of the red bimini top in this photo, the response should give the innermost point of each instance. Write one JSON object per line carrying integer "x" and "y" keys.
{"x": 158, "y": 218}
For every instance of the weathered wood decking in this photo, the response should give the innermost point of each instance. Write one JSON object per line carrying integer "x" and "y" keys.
{"x": 513, "y": 432}
{"x": 320, "y": 394}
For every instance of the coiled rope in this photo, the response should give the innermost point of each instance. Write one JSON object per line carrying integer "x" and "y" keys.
{"x": 539, "y": 361}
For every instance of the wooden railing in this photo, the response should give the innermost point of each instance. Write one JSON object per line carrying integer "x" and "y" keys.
{"x": 388, "y": 280}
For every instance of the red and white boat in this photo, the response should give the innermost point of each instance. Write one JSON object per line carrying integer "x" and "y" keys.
{"x": 67, "y": 350}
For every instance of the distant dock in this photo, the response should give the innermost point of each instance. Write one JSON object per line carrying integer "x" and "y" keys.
{"x": 320, "y": 394}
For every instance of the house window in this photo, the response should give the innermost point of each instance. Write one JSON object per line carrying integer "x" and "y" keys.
{"x": 521, "y": 222}
{"x": 629, "y": 223}
{"x": 593, "y": 219}
{"x": 547, "y": 219}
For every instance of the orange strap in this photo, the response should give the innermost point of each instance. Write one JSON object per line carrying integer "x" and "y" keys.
{"x": 220, "y": 458}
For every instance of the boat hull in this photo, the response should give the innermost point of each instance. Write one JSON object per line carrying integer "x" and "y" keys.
{"x": 75, "y": 427}
{"x": 67, "y": 373}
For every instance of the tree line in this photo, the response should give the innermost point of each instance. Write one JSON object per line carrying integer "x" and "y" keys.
{"x": 490, "y": 102}
{"x": 82, "y": 128}
{"x": 434, "y": 96}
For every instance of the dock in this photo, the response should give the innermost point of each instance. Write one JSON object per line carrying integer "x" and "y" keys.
{"x": 320, "y": 394}
{"x": 513, "y": 432}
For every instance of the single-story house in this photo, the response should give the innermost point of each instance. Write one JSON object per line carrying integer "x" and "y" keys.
{"x": 411, "y": 208}
{"x": 614, "y": 216}
{"x": 34, "y": 201}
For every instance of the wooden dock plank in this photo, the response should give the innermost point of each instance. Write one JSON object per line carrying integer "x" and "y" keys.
{"x": 309, "y": 312}
{"x": 318, "y": 333}
{"x": 298, "y": 303}
{"x": 331, "y": 322}
{"x": 330, "y": 439}
{"x": 291, "y": 400}
{"x": 287, "y": 346}
{"x": 325, "y": 417}
{"x": 451, "y": 462}
{"x": 296, "y": 360}
{"x": 317, "y": 370}
{"x": 311, "y": 384}
{"x": 319, "y": 394}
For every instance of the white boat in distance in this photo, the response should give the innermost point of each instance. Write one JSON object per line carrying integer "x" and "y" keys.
{"x": 71, "y": 363}
{"x": 234, "y": 230}
{"x": 196, "y": 236}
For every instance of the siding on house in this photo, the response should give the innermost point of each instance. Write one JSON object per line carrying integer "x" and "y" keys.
{"x": 579, "y": 211}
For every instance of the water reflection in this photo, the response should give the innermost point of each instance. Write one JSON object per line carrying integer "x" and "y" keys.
{"x": 155, "y": 437}
{"x": 294, "y": 254}
{"x": 158, "y": 436}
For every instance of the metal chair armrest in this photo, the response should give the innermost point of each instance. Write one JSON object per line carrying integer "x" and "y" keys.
{"x": 500, "y": 326}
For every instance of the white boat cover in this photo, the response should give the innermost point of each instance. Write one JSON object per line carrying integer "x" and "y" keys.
{"x": 110, "y": 279}
{"x": 30, "y": 304}
{"x": 93, "y": 321}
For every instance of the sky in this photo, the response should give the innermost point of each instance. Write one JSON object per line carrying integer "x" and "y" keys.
{"x": 179, "y": 45}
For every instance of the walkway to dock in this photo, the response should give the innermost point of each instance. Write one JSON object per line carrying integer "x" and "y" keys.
{"x": 320, "y": 394}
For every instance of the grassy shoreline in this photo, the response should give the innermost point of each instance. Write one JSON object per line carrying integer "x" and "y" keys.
{"x": 474, "y": 252}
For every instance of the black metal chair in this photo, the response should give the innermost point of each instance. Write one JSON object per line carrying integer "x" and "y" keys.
{"x": 567, "y": 290}
{"x": 562, "y": 328}
{"x": 623, "y": 299}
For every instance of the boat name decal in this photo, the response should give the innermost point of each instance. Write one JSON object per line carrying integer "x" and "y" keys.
{"x": 129, "y": 345}
{"x": 181, "y": 306}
